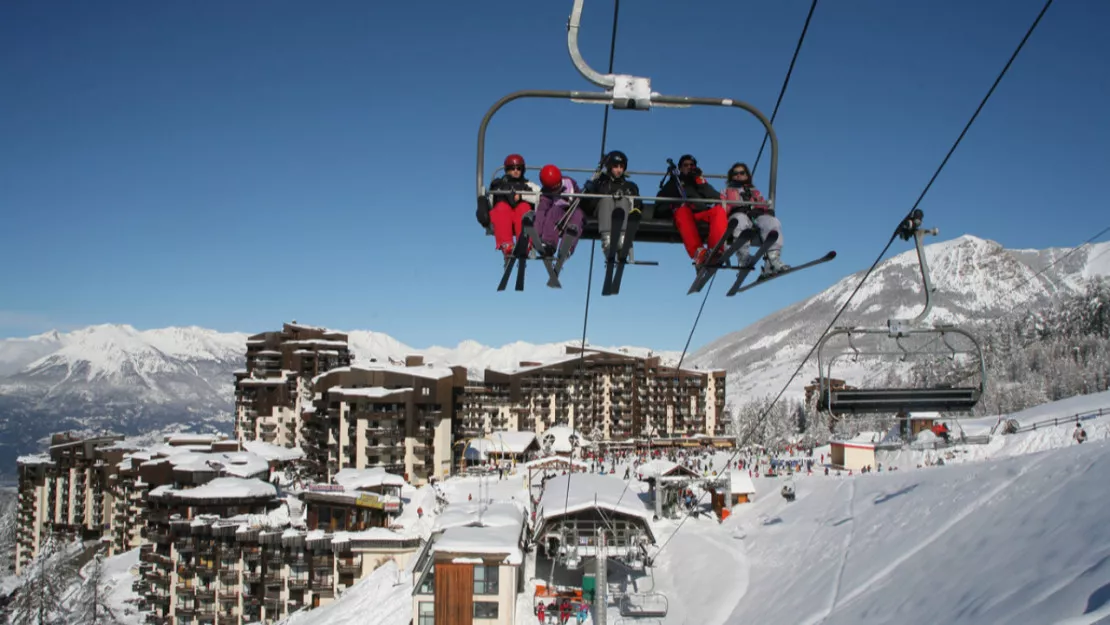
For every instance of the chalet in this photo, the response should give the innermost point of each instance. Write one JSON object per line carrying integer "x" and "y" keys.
{"x": 470, "y": 571}
{"x": 854, "y": 453}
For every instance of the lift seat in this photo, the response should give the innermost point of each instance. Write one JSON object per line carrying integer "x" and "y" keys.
{"x": 892, "y": 400}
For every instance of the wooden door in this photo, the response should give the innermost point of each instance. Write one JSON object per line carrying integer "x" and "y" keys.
{"x": 454, "y": 593}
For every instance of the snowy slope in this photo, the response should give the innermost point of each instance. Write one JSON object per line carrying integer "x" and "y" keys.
{"x": 1020, "y": 540}
{"x": 974, "y": 278}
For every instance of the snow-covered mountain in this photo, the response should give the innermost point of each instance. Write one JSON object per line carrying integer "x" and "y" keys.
{"x": 975, "y": 279}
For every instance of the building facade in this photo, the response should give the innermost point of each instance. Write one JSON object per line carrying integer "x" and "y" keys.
{"x": 608, "y": 396}
{"x": 395, "y": 417}
{"x": 64, "y": 492}
{"x": 273, "y": 390}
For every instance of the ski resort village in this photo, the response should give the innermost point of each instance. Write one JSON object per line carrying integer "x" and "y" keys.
{"x": 595, "y": 487}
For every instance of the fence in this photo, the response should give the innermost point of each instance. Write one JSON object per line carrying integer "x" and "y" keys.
{"x": 1009, "y": 428}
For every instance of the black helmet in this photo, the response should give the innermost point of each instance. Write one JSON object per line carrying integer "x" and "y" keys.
{"x": 616, "y": 157}
{"x": 687, "y": 157}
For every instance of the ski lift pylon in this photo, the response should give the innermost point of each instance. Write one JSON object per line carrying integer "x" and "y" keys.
{"x": 840, "y": 400}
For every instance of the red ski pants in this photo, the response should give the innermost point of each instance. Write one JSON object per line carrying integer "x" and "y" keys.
{"x": 685, "y": 219}
{"x": 505, "y": 220}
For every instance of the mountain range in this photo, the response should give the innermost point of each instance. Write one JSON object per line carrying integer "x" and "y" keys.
{"x": 118, "y": 378}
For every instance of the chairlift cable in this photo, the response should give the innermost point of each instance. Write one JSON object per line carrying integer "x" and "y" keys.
{"x": 878, "y": 259}
{"x": 782, "y": 91}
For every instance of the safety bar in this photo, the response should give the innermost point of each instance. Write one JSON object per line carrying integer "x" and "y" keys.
{"x": 608, "y": 99}
{"x": 586, "y": 170}
{"x": 824, "y": 372}
{"x": 653, "y": 198}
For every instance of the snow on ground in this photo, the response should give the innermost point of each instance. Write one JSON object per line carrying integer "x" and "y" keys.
{"x": 383, "y": 598}
{"x": 1021, "y": 539}
{"x": 117, "y": 575}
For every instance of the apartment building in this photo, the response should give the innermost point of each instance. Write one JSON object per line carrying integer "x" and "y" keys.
{"x": 226, "y": 551}
{"x": 272, "y": 391}
{"x": 394, "y": 417}
{"x": 64, "y": 491}
{"x": 608, "y": 396}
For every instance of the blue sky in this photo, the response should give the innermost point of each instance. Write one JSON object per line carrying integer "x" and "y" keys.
{"x": 235, "y": 165}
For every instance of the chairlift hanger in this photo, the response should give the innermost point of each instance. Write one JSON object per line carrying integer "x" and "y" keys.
{"x": 624, "y": 92}
{"x": 894, "y": 400}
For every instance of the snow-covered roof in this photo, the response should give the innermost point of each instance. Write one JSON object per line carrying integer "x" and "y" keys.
{"x": 499, "y": 443}
{"x": 590, "y": 490}
{"x": 662, "y": 468}
{"x": 220, "y": 488}
{"x": 373, "y": 533}
{"x": 273, "y": 453}
{"x": 316, "y": 343}
{"x": 512, "y": 442}
{"x": 357, "y": 479}
{"x": 485, "y": 541}
{"x": 282, "y": 379}
{"x": 741, "y": 483}
{"x": 562, "y": 439}
{"x": 498, "y": 514}
{"x": 188, "y": 438}
{"x": 555, "y": 460}
{"x": 234, "y": 463}
{"x": 34, "y": 459}
{"x": 426, "y": 371}
{"x": 373, "y": 392}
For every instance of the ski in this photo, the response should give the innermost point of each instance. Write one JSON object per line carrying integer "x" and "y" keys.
{"x": 611, "y": 257}
{"x": 715, "y": 259}
{"x": 626, "y": 249}
{"x": 736, "y": 288}
{"x": 519, "y": 252}
{"x": 743, "y": 272}
{"x": 529, "y": 226}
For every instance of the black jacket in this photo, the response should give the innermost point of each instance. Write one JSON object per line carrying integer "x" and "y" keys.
{"x": 604, "y": 184}
{"x": 529, "y": 191}
{"x": 694, "y": 186}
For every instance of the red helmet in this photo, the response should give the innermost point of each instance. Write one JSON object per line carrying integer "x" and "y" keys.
{"x": 550, "y": 176}
{"x": 515, "y": 159}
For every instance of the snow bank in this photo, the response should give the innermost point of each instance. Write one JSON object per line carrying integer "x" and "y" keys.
{"x": 383, "y": 598}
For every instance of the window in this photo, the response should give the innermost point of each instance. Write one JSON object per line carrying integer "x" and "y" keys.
{"x": 485, "y": 609}
{"x": 429, "y": 585}
{"x": 427, "y": 613}
{"x": 485, "y": 581}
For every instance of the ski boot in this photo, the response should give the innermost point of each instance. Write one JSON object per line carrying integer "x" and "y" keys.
{"x": 772, "y": 265}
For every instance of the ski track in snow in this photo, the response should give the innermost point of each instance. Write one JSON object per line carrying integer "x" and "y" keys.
{"x": 882, "y": 573}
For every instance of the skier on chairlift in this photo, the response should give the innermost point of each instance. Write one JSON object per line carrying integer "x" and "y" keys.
{"x": 517, "y": 196}
{"x": 689, "y": 184}
{"x": 552, "y": 208}
{"x": 612, "y": 181}
{"x": 761, "y": 216}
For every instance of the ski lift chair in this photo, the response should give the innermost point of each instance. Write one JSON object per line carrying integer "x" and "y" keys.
{"x": 938, "y": 398}
{"x": 630, "y": 93}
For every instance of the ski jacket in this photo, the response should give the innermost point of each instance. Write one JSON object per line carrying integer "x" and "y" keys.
{"x": 605, "y": 184}
{"x": 694, "y": 186}
{"x": 555, "y": 198}
{"x": 746, "y": 193}
{"x": 528, "y": 190}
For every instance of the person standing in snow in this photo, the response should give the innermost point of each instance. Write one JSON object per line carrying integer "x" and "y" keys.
{"x": 612, "y": 182}
{"x": 552, "y": 208}
{"x": 513, "y": 195}
{"x": 1080, "y": 434}
{"x": 758, "y": 215}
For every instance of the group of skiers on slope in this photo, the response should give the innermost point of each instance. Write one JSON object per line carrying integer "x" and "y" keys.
{"x": 514, "y": 195}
